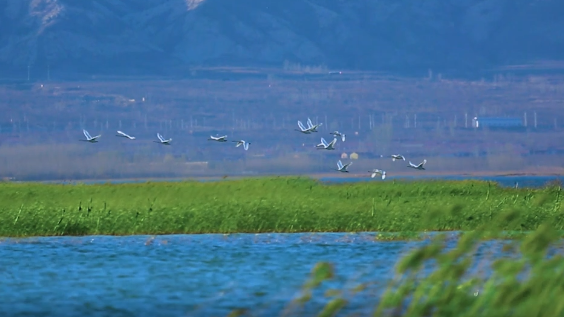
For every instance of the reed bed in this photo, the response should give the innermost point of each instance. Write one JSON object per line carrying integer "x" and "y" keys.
{"x": 275, "y": 204}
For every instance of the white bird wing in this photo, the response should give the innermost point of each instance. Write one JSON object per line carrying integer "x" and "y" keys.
{"x": 343, "y": 137}
{"x": 333, "y": 142}
{"x": 246, "y": 146}
{"x": 422, "y": 163}
{"x": 412, "y": 165}
{"x": 324, "y": 142}
{"x": 160, "y": 137}
{"x": 86, "y": 134}
{"x": 125, "y": 135}
{"x": 373, "y": 175}
{"x": 309, "y": 123}
{"x": 340, "y": 164}
{"x": 301, "y": 125}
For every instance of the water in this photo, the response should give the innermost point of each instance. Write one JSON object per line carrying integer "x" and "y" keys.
{"x": 185, "y": 275}
{"x": 506, "y": 181}
{"x": 197, "y": 275}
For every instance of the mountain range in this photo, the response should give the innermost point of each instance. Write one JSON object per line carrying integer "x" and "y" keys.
{"x": 159, "y": 37}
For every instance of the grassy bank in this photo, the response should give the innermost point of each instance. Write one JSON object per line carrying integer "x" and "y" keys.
{"x": 280, "y": 204}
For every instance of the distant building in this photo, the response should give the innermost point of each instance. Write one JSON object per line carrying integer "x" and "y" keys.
{"x": 497, "y": 122}
{"x": 353, "y": 156}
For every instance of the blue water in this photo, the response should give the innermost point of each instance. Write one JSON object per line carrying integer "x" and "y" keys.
{"x": 199, "y": 275}
{"x": 189, "y": 275}
{"x": 506, "y": 181}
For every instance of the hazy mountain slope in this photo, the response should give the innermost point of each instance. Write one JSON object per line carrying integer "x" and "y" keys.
{"x": 81, "y": 36}
{"x": 151, "y": 36}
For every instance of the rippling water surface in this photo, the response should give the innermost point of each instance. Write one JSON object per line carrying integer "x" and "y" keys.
{"x": 185, "y": 275}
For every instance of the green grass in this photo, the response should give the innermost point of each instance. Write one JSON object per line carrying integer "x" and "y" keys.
{"x": 278, "y": 204}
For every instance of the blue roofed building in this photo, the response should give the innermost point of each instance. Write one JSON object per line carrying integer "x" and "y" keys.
{"x": 497, "y": 122}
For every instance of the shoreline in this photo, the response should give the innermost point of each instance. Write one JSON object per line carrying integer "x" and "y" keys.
{"x": 407, "y": 174}
{"x": 376, "y": 236}
{"x": 423, "y": 174}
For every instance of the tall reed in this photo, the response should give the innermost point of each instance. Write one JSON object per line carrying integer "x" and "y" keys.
{"x": 276, "y": 204}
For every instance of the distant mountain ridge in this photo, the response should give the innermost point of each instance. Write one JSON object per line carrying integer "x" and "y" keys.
{"x": 165, "y": 36}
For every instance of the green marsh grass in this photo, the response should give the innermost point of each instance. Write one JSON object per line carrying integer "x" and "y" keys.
{"x": 275, "y": 204}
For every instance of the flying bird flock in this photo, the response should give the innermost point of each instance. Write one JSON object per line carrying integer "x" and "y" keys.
{"x": 331, "y": 146}
{"x": 311, "y": 128}
{"x": 161, "y": 139}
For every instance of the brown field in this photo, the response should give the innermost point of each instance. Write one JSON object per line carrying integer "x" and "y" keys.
{"x": 428, "y": 117}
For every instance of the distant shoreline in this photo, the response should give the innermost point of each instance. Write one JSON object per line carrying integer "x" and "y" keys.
{"x": 426, "y": 174}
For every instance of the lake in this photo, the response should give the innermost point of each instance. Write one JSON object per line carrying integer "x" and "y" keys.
{"x": 190, "y": 275}
{"x": 507, "y": 181}
{"x": 201, "y": 275}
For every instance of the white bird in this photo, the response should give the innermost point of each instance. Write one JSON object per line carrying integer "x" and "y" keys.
{"x": 343, "y": 168}
{"x": 326, "y": 146}
{"x": 218, "y": 138}
{"x": 337, "y": 133}
{"x": 162, "y": 140}
{"x": 418, "y": 167}
{"x": 376, "y": 172}
{"x": 311, "y": 127}
{"x": 90, "y": 138}
{"x": 124, "y": 135}
{"x": 397, "y": 157}
{"x": 302, "y": 128}
{"x": 243, "y": 143}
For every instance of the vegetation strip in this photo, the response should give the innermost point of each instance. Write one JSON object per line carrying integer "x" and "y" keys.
{"x": 275, "y": 204}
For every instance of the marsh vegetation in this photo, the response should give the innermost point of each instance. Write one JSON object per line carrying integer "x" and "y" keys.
{"x": 276, "y": 204}
{"x": 522, "y": 277}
